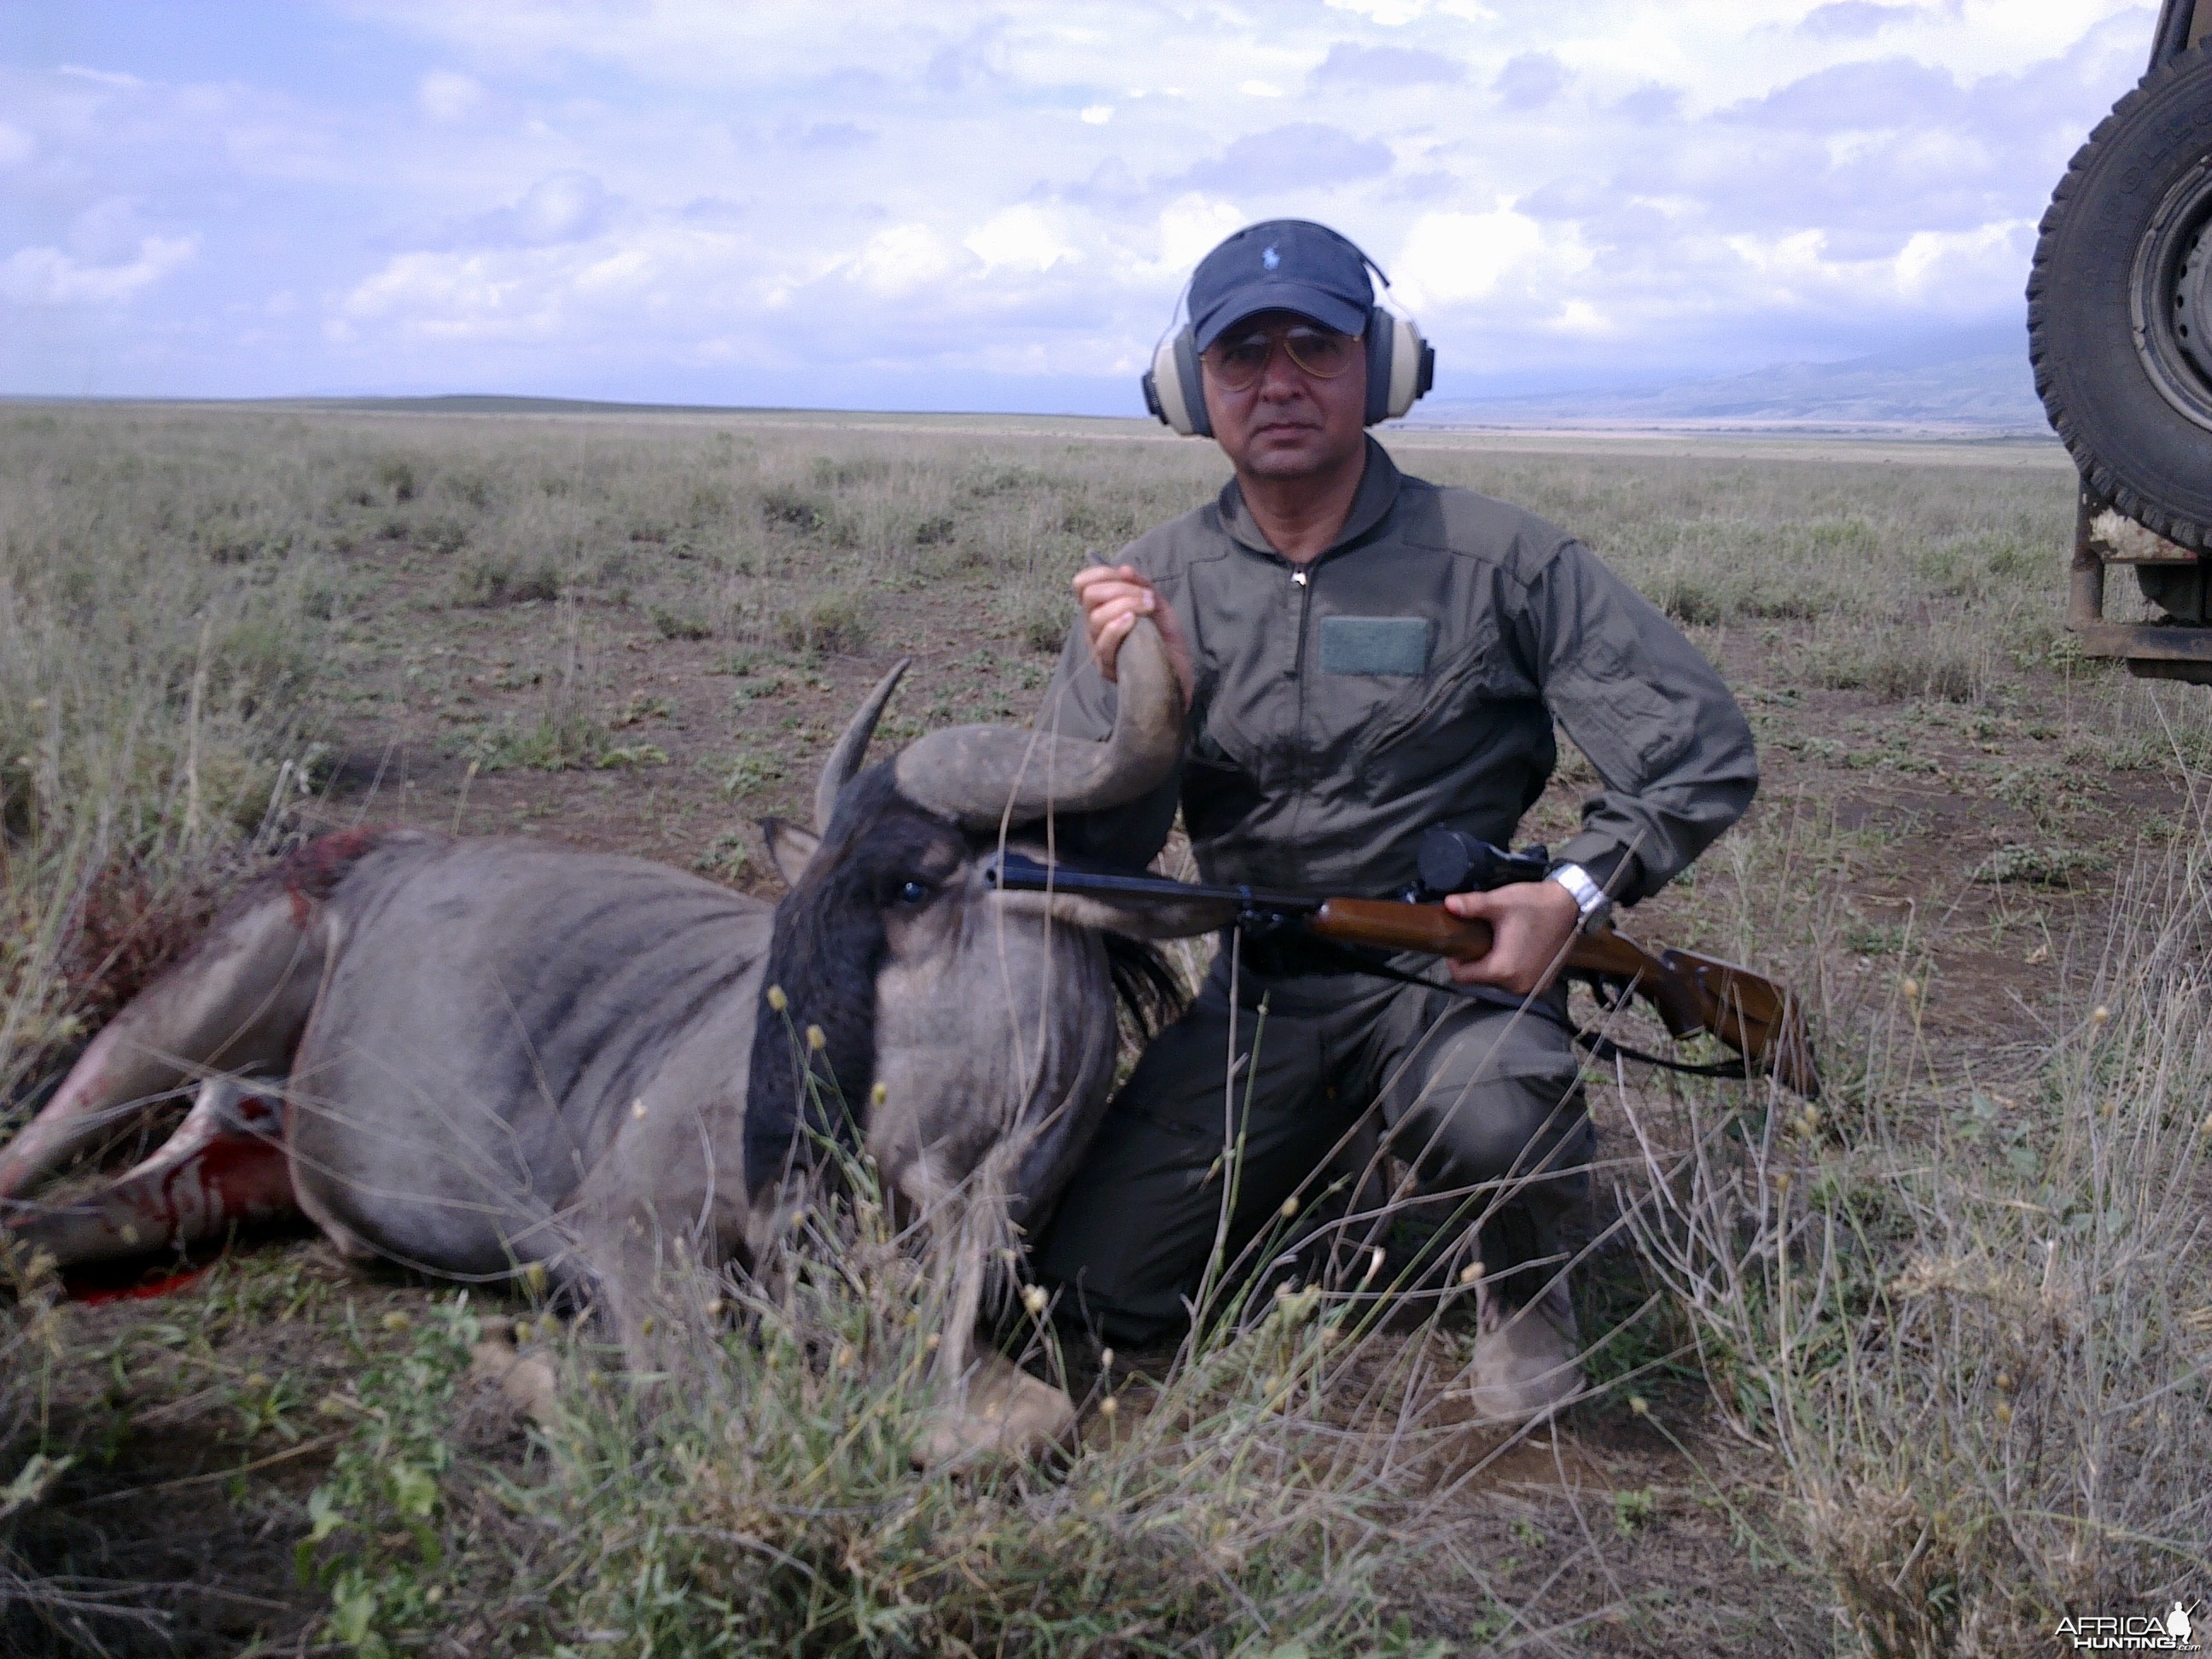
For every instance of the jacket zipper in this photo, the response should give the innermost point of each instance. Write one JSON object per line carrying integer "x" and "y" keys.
{"x": 1302, "y": 579}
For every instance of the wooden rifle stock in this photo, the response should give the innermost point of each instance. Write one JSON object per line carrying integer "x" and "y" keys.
{"x": 1751, "y": 1013}
{"x": 1757, "y": 1018}
{"x": 1393, "y": 924}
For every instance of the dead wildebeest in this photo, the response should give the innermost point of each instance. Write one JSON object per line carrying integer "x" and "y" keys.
{"x": 473, "y": 1056}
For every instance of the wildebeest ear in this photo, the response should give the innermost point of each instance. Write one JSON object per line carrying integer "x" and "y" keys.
{"x": 792, "y": 847}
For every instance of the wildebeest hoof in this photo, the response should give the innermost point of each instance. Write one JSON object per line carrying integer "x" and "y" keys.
{"x": 1001, "y": 1410}
{"x": 1526, "y": 1363}
{"x": 525, "y": 1381}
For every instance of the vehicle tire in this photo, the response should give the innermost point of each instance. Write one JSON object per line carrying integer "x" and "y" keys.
{"x": 2119, "y": 304}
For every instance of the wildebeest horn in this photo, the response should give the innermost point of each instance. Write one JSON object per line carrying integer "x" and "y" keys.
{"x": 981, "y": 776}
{"x": 845, "y": 759}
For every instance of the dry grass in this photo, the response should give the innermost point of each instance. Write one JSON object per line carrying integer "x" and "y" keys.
{"x": 31, "y": 1337}
{"x": 1973, "y": 1327}
{"x": 1939, "y": 1349}
{"x": 764, "y": 1501}
{"x": 159, "y": 606}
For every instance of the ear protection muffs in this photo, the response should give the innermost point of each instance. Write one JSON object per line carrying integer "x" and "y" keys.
{"x": 1401, "y": 366}
{"x": 1172, "y": 390}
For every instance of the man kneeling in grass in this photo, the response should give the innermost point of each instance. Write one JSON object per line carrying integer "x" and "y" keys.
{"x": 1366, "y": 655}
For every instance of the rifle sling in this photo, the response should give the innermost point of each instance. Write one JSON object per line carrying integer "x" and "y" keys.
{"x": 1357, "y": 960}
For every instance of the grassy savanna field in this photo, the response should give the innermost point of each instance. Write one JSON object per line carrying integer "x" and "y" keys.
{"x": 1914, "y": 1370}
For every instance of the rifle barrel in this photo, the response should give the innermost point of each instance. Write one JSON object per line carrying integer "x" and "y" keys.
{"x": 1015, "y": 873}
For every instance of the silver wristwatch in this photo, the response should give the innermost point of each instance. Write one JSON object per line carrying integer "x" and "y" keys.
{"x": 1589, "y": 898}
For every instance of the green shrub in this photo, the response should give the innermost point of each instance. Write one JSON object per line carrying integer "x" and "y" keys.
{"x": 837, "y": 620}
{"x": 727, "y": 857}
{"x": 488, "y": 580}
{"x": 2040, "y": 865}
{"x": 1899, "y": 664}
{"x": 557, "y": 741}
{"x": 1038, "y": 614}
{"x": 752, "y": 772}
{"x": 680, "y": 625}
{"x": 792, "y": 509}
{"x": 375, "y": 1539}
{"x": 396, "y": 475}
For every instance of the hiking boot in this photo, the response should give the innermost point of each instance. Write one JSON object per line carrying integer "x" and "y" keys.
{"x": 1526, "y": 1363}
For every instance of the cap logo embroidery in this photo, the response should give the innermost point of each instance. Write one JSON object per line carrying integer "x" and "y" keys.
{"x": 1271, "y": 258}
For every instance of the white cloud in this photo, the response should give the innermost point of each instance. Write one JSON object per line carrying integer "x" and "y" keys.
{"x": 1942, "y": 273}
{"x": 16, "y": 146}
{"x": 1191, "y": 224}
{"x": 1261, "y": 89}
{"x": 1580, "y": 317}
{"x": 569, "y": 291}
{"x": 445, "y": 295}
{"x": 448, "y": 95}
{"x": 1024, "y": 238}
{"x": 1450, "y": 258}
{"x": 1940, "y": 266}
{"x": 623, "y": 272}
{"x": 101, "y": 77}
{"x": 1796, "y": 255}
{"x": 1390, "y": 14}
{"x": 897, "y": 261}
{"x": 560, "y": 209}
{"x": 1099, "y": 115}
{"x": 50, "y": 277}
{"x": 1396, "y": 14}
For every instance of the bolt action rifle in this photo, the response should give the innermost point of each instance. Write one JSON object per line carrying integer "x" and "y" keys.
{"x": 1761, "y": 1021}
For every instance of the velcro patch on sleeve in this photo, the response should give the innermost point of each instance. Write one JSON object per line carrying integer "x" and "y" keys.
{"x": 1375, "y": 645}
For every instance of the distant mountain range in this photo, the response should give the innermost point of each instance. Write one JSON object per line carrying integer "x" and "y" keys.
{"x": 1970, "y": 384}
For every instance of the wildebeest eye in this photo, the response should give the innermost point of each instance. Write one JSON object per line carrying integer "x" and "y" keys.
{"x": 912, "y": 892}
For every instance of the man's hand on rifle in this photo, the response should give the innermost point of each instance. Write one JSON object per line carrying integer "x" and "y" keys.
{"x": 1112, "y": 596}
{"x": 1533, "y": 922}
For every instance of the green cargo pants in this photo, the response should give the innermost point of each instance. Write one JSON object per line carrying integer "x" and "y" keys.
{"x": 1483, "y": 1103}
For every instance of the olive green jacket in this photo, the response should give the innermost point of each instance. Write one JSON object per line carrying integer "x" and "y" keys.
{"x": 1410, "y": 677}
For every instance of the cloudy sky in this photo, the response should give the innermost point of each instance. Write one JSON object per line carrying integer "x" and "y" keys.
{"x": 870, "y": 204}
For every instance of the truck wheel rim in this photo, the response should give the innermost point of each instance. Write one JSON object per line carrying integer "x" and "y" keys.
{"x": 2170, "y": 298}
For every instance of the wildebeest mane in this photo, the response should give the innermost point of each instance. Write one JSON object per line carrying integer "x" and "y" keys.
{"x": 1149, "y": 990}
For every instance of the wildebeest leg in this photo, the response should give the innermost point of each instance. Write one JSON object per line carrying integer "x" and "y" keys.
{"x": 225, "y": 1166}
{"x": 660, "y": 1211}
{"x": 237, "y": 1004}
{"x": 989, "y": 1404}
{"x": 1002, "y": 1409}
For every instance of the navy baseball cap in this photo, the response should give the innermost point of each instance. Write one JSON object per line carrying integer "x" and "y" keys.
{"x": 1283, "y": 264}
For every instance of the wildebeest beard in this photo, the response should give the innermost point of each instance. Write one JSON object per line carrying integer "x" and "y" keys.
{"x": 826, "y": 950}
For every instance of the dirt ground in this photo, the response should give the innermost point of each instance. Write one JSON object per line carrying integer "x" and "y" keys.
{"x": 195, "y": 1416}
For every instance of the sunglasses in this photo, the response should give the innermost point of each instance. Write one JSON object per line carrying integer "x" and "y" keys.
{"x": 1237, "y": 362}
